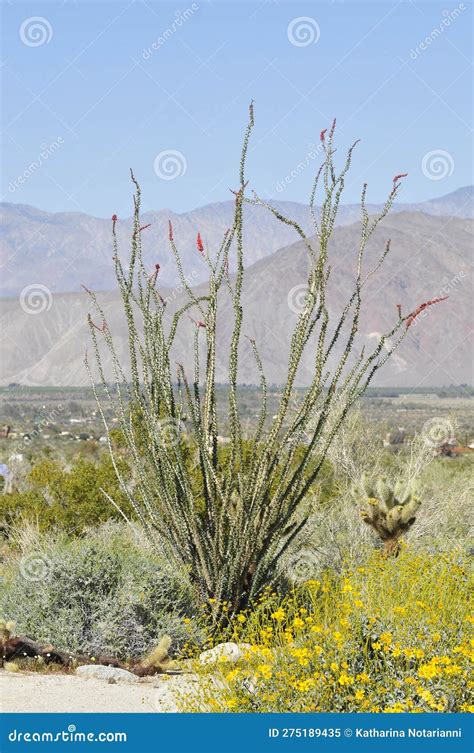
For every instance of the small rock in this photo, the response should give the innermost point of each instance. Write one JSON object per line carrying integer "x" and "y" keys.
{"x": 186, "y": 692}
{"x": 224, "y": 652}
{"x": 109, "y": 674}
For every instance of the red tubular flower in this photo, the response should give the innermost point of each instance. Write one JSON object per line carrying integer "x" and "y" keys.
{"x": 200, "y": 246}
{"x": 170, "y": 233}
{"x": 321, "y": 135}
{"x": 397, "y": 177}
{"x": 114, "y": 218}
{"x": 144, "y": 227}
{"x": 422, "y": 307}
{"x": 154, "y": 274}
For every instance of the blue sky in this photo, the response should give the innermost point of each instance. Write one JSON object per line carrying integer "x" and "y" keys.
{"x": 83, "y": 85}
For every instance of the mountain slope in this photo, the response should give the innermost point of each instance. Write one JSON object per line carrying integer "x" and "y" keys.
{"x": 64, "y": 250}
{"x": 430, "y": 257}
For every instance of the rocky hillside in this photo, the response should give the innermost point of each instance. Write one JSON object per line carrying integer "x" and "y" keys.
{"x": 65, "y": 250}
{"x": 430, "y": 256}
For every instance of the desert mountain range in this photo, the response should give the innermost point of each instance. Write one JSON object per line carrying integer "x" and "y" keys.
{"x": 431, "y": 256}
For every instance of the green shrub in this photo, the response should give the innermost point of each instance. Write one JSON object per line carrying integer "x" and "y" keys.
{"x": 104, "y": 593}
{"x": 68, "y": 499}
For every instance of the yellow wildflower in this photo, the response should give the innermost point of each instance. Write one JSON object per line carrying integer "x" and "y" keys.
{"x": 279, "y": 615}
{"x": 428, "y": 671}
{"x": 345, "y": 679}
{"x": 265, "y": 670}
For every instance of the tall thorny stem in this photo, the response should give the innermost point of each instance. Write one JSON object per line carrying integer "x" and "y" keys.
{"x": 232, "y": 515}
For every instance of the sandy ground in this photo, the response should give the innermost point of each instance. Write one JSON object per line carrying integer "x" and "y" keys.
{"x": 33, "y": 692}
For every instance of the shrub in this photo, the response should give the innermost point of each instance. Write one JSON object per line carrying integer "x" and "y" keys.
{"x": 234, "y": 527}
{"x": 392, "y": 635}
{"x": 104, "y": 593}
{"x": 69, "y": 499}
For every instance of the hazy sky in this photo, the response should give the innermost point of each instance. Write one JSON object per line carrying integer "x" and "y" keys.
{"x": 92, "y": 88}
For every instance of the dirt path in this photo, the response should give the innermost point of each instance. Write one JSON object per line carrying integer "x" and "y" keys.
{"x": 34, "y": 693}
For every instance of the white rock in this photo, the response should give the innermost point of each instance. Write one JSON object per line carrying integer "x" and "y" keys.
{"x": 102, "y": 672}
{"x": 185, "y": 692}
{"x": 230, "y": 652}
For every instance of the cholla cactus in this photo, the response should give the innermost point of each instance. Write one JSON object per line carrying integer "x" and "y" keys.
{"x": 390, "y": 511}
{"x": 231, "y": 518}
{"x": 6, "y": 629}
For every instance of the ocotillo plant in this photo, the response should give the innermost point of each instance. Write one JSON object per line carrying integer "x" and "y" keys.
{"x": 389, "y": 510}
{"x": 233, "y": 516}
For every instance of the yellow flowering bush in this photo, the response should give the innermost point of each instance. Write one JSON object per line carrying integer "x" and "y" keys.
{"x": 391, "y": 636}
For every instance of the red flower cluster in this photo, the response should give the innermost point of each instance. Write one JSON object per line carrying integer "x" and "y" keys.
{"x": 114, "y": 218}
{"x": 200, "y": 246}
{"x": 322, "y": 134}
{"x": 170, "y": 233}
{"x": 154, "y": 274}
{"x": 422, "y": 307}
{"x": 397, "y": 177}
{"x": 144, "y": 227}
